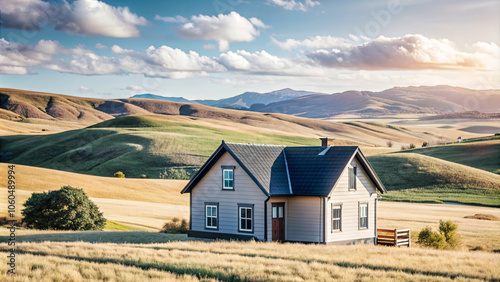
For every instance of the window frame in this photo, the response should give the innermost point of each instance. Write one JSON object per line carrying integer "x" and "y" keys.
{"x": 252, "y": 218}
{"x": 216, "y": 205}
{"x": 352, "y": 178}
{"x": 362, "y": 204}
{"x": 339, "y": 207}
{"x": 224, "y": 169}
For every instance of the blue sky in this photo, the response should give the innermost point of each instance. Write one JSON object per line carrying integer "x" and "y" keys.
{"x": 216, "y": 49}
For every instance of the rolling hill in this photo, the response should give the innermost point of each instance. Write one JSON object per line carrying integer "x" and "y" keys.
{"x": 398, "y": 100}
{"x": 482, "y": 153}
{"x": 419, "y": 178}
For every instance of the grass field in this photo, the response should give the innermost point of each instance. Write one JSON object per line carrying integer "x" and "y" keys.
{"x": 243, "y": 261}
{"x": 483, "y": 153}
{"x": 419, "y": 178}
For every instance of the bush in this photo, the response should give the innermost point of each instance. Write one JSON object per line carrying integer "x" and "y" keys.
{"x": 497, "y": 134}
{"x": 430, "y": 238}
{"x": 446, "y": 238}
{"x": 175, "y": 226}
{"x": 425, "y": 144}
{"x": 403, "y": 147}
{"x": 389, "y": 144}
{"x": 65, "y": 209}
{"x": 143, "y": 176}
{"x": 119, "y": 174}
{"x": 175, "y": 173}
{"x": 449, "y": 230}
{"x": 412, "y": 146}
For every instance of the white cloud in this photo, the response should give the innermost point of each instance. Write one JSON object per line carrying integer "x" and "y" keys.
{"x": 316, "y": 42}
{"x": 265, "y": 63}
{"x": 12, "y": 70}
{"x": 209, "y": 47}
{"x": 295, "y": 5}
{"x": 222, "y": 28}
{"x": 138, "y": 88}
{"x": 176, "y": 19}
{"x": 409, "y": 52}
{"x": 88, "y": 17}
{"x": 83, "y": 88}
{"x": 100, "y": 46}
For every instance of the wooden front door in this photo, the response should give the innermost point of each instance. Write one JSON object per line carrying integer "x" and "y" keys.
{"x": 278, "y": 215}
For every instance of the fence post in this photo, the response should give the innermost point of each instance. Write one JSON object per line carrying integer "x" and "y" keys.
{"x": 395, "y": 237}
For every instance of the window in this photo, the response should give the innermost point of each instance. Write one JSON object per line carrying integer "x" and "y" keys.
{"x": 337, "y": 218}
{"x": 245, "y": 218}
{"x": 363, "y": 216}
{"x": 211, "y": 215}
{"x": 228, "y": 177}
{"x": 278, "y": 212}
{"x": 352, "y": 178}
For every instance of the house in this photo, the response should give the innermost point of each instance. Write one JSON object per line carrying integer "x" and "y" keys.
{"x": 316, "y": 194}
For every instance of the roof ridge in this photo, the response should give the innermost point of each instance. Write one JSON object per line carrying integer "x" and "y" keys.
{"x": 256, "y": 144}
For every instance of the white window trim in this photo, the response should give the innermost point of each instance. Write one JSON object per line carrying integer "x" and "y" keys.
{"x": 224, "y": 187}
{"x": 339, "y": 207}
{"x": 211, "y": 216}
{"x": 359, "y": 216}
{"x": 240, "y": 218}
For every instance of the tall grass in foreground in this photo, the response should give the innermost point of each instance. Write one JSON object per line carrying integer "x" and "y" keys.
{"x": 240, "y": 261}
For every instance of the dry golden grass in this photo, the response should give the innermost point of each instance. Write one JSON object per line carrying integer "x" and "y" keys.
{"x": 275, "y": 262}
{"x": 474, "y": 233}
{"x": 36, "y": 179}
{"x": 54, "y": 268}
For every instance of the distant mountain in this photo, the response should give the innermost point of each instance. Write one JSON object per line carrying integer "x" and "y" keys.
{"x": 247, "y": 99}
{"x": 159, "y": 97}
{"x": 397, "y": 100}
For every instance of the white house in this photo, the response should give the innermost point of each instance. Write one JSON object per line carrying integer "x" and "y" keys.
{"x": 318, "y": 194}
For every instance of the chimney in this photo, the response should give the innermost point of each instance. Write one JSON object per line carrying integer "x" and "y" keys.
{"x": 325, "y": 141}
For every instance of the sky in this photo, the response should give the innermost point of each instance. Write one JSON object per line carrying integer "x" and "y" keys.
{"x": 221, "y": 48}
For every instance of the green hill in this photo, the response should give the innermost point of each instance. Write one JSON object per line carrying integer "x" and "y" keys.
{"x": 419, "y": 178}
{"x": 135, "y": 145}
{"x": 482, "y": 153}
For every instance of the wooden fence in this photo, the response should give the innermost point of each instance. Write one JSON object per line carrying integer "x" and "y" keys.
{"x": 393, "y": 237}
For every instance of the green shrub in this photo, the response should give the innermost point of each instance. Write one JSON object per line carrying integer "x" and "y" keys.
{"x": 412, "y": 146}
{"x": 449, "y": 230}
{"x": 425, "y": 144}
{"x": 143, "y": 176}
{"x": 497, "y": 171}
{"x": 175, "y": 226}
{"x": 446, "y": 238}
{"x": 65, "y": 209}
{"x": 175, "y": 173}
{"x": 119, "y": 174}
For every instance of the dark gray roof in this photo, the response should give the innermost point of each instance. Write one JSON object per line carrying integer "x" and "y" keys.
{"x": 265, "y": 163}
{"x": 280, "y": 170}
{"x": 315, "y": 175}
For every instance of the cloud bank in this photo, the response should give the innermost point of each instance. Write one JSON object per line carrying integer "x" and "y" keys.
{"x": 86, "y": 17}
{"x": 410, "y": 52}
{"x": 295, "y": 5}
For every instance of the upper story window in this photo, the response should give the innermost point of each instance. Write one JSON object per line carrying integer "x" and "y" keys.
{"x": 352, "y": 178}
{"x": 363, "y": 216}
{"x": 228, "y": 177}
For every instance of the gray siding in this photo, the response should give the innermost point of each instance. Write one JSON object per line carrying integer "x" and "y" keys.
{"x": 350, "y": 200}
{"x": 209, "y": 189}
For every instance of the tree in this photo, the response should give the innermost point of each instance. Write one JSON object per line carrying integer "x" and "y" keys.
{"x": 65, "y": 209}
{"x": 412, "y": 146}
{"x": 425, "y": 144}
{"x": 119, "y": 174}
